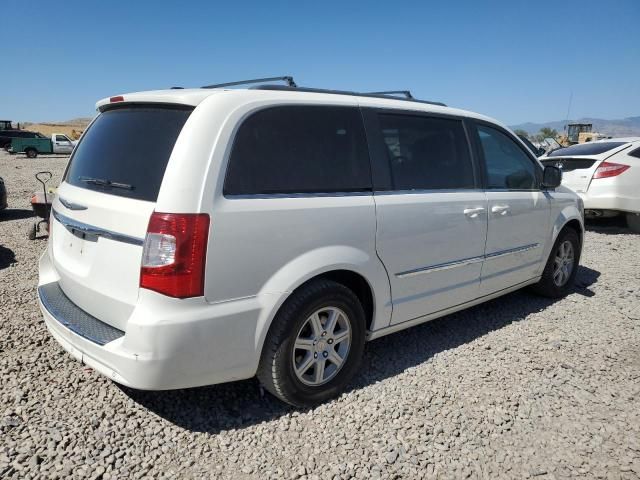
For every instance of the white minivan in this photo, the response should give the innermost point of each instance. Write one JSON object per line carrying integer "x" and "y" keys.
{"x": 207, "y": 235}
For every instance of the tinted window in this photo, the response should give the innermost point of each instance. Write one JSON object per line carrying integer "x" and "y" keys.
{"x": 61, "y": 138}
{"x": 586, "y": 149}
{"x": 426, "y": 153}
{"x": 535, "y": 150}
{"x": 299, "y": 149}
{"x": 570, "y": 164}
{"x": 635, "y": 153}
{"x": 507, "y": 165}
{"x": 129, "y": 146}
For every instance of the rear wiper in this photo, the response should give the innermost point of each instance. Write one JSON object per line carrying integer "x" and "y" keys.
{"x": 106, "y": 183}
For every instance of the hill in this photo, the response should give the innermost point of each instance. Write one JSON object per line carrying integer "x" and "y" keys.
{"x": 72, "y": 128}
{"x": 626, "y": 127}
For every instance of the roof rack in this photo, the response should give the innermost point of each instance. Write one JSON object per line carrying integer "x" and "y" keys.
{"x": 406, "y": 93}
{"x": 385, "y": 95}
{"x": 287, "y": 78}
{"x": 293, "y": 87}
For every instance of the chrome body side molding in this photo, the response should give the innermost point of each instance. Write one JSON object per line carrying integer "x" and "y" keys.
{"x": 440, "y": 267}
{"x": 466, "y": 261}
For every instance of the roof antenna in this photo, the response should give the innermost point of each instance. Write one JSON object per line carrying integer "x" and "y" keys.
{"x": 566, "y": 122}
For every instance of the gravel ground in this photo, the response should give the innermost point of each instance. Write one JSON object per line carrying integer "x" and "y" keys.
{"x": 518, "y": 387}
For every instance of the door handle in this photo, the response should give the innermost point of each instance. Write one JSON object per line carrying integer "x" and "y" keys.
{"x": 500, "y": 209}
{"x": 473, "y": 212}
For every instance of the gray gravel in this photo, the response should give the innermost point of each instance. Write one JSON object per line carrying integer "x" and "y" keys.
{"x": 519, "y": 387}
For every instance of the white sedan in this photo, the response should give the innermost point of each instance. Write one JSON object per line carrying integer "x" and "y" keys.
{"x": 606, "y": 174}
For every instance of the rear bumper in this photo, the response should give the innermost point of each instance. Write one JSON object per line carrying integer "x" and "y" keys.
{"x": 609, "y": 194}
{"x": 168, "y": 343}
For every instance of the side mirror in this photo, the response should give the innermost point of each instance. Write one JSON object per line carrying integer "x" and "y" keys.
{"x": 552, "y": 177}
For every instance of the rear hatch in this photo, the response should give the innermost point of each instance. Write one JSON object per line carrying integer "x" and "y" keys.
{"x": 103, "y": 206}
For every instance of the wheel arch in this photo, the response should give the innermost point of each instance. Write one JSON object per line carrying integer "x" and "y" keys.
{"x": 575, "y": 225}
{"x": 31, "y": 149}
{"x": 363, "y": 274}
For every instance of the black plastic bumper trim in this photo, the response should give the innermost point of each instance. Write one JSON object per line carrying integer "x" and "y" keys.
{"x": 74, "y": 318}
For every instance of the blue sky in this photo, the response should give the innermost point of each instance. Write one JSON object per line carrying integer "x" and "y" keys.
{"x": 513, "y": 60}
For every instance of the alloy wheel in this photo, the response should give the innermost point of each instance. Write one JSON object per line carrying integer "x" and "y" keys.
{"x": 563, "y": 263}
{"x": 321, "y": 346}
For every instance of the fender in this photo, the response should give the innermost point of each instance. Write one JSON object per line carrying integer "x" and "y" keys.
{"x": 314, "y": 263}
{"x": 565, "y": 207}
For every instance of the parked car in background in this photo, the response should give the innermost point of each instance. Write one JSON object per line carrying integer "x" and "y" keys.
{"x": 6, "y": 136}
{"x": 606, "y": 174}
{"x": 57, "y": 144}
{"x": 3, "y": 195}
{"x": 206, "y": 235}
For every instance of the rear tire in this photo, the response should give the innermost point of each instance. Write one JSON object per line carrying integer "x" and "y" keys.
{"x": 320, "y": 328}
{"x": 562, "y": 266}
{"x": 633, "y": 222}
{"x": 31, "y": 152}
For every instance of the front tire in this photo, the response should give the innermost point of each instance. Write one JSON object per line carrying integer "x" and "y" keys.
{"x": 314, "y": 345}
{"x": 31, "y": 152}
{"x": 562, "y": 266}
{"x": 633, "y": 222}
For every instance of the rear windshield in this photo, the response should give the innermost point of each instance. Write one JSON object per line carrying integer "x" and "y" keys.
{"x": 570, "y": 164}
{"x": 126, "y": 150}
{"x": 586, "y": 149}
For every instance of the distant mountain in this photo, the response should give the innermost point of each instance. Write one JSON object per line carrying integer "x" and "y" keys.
{"x": 626, "y": 127}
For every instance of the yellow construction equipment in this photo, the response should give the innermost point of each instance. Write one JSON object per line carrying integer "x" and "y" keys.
{"x": 579, "y": 133}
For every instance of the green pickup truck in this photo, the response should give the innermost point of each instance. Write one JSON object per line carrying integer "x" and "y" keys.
{"x": 57, "y": 144}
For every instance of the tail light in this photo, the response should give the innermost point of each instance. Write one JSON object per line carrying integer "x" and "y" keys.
{"x": 174, "y": 254}
{"x": 609, "y": 169}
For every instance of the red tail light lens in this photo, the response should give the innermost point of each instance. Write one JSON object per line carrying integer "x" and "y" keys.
{"x": 118, "y": 98}
{"x": 609, "y": 169}
{"x": 174, "y": 254}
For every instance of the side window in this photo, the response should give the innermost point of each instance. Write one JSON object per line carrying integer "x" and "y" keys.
{"x": 507, "y": 165}
{"x": 299, "y": 149}
{"x": 427, "y": 153}
{"x": 61, "y": 138}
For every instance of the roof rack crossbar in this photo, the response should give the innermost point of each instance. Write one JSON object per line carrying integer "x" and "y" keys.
{"x": 406, "y": 93}
{"x": 287, "y": 78}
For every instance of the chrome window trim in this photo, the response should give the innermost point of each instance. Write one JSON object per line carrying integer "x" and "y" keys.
{"x": 430, "y": 191}
{"x": 467, "y": 261}
{"x": 75, "y": 225}
{"x": 366, "y": 193}
{"x": 252, "y": 196}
